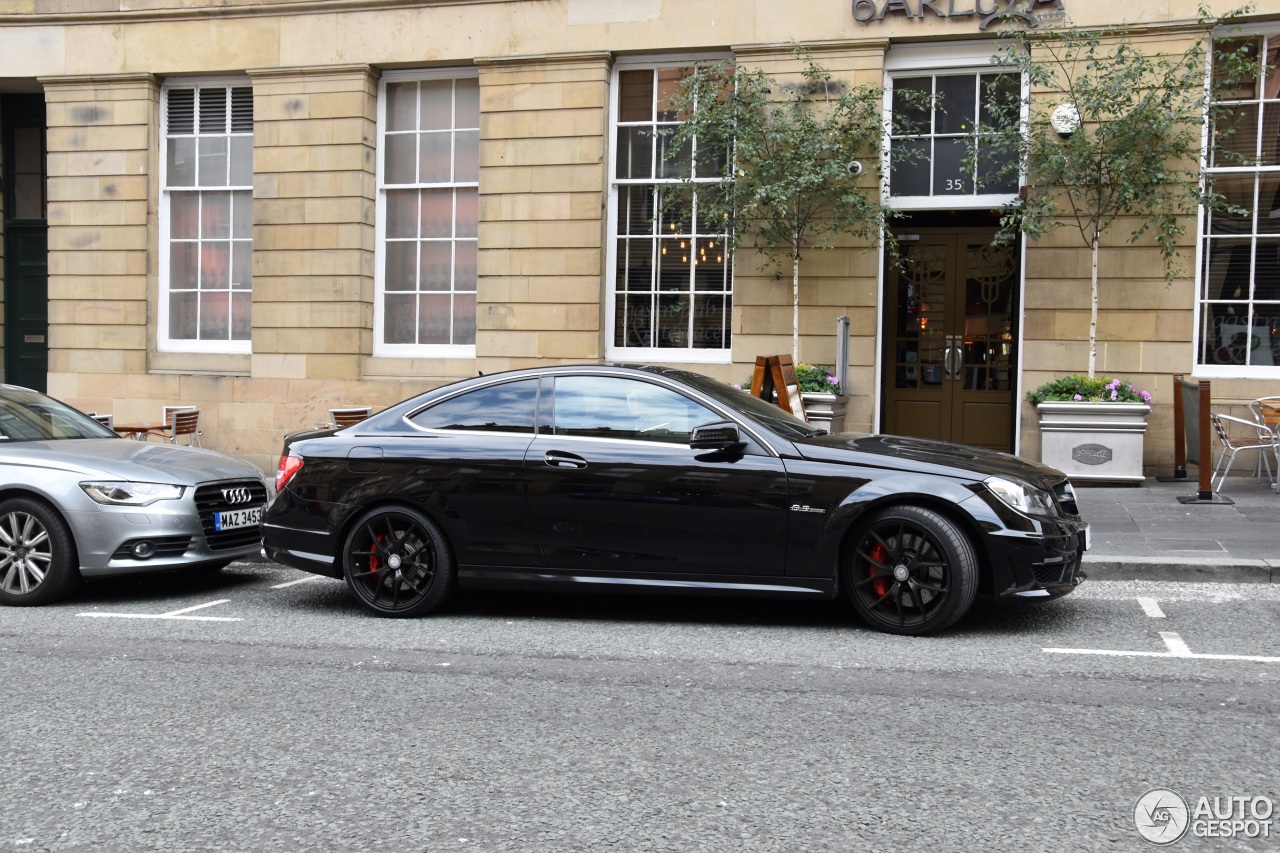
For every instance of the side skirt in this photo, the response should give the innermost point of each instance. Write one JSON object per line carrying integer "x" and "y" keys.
{"x": 525, "y": 579}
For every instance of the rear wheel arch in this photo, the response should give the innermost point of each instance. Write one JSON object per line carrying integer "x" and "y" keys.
{"x": 391, "y": 501}
{"x": 397, "y": 560}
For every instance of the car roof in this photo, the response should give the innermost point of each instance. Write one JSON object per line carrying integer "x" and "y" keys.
{"x": 394, "y": 412}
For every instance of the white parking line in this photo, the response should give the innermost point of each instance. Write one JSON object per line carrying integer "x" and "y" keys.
{"x": 1150, "y": 607}
{"x": 1177, "y": 649}
{"x": 298, "y": 581}
{"x": 172, "y": 614}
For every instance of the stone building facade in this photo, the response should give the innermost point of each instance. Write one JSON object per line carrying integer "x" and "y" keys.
{"x": 270, "y": 209}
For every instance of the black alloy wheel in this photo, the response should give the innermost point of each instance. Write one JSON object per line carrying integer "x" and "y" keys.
{"x": 911, "y": 571}
{"x": 397, "y": 563}
{"x": 38, "y": 562}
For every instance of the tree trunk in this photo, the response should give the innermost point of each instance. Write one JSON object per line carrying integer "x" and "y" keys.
{"x": 1093, "y": 309}
{"x": 795, "y": 309}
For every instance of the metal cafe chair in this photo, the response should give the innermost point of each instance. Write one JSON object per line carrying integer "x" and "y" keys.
{"x": 345, "y": 417}
{"x": 179, "y": 421}
{"x": 1266, "y": 411}
{"x": 108, "y": 421}
{"x": 1237, "y": 435}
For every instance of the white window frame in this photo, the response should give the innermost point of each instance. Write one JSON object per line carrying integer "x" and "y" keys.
{"x": 164, "y": 343}
{"x": 684, "y": 355}
{"x": 1229, "y": 371}
{"x": 380, "y": 347}
{"x": 940, "y": 60}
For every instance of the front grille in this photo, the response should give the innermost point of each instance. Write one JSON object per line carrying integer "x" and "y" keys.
{"x": 166, "y": 546}
{"x": 210, "y": 500}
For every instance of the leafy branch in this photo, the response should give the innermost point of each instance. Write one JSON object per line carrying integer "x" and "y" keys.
{"x": 795, "y": 164}
{"x": 1128, "y": 141}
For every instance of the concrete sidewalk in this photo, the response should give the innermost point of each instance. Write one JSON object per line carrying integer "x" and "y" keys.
{"x": 1143, "y": 532}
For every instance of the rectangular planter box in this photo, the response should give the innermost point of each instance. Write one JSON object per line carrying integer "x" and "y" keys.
{"x": 1094, "y": 441}
{"x": 824, "y": 410}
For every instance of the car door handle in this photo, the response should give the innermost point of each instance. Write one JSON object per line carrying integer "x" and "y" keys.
{"x": 559, "y": 459}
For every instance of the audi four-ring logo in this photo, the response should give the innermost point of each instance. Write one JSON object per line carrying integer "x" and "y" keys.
{"x": 236, "y": 496}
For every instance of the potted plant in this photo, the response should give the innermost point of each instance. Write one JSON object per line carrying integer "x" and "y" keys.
{"x": 1092, "y": 427}
{"x": 824, "y": 400}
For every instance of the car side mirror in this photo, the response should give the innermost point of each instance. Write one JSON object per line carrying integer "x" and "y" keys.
{"x": 721, "y": 435}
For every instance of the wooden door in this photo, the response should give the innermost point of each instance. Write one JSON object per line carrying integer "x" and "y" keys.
{"x": 950, "y": 339}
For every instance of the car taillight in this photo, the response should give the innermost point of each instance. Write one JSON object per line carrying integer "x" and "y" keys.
{"x": 289, "y": 465}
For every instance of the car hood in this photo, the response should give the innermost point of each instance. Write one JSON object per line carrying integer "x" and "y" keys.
{"x": 124, "y": 459}
{"x": 925, "y": 455}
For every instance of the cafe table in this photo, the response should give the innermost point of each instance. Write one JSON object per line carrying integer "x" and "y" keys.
{"x": 137, "y": 431}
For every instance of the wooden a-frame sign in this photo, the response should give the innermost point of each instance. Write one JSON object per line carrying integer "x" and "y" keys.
{"x": 778, "y": 373}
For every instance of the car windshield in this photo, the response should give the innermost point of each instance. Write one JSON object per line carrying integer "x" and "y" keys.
{"x": 29, "y": 416}
{"x": 767, "y": 415}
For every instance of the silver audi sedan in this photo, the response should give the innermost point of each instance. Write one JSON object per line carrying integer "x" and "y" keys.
{"x": 78, "y": 501}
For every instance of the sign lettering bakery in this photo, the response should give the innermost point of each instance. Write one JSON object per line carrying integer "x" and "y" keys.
{"x": 987, "y": 11}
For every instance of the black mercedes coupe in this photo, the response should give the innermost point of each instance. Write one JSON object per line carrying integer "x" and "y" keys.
{"x": 653, "y": 479}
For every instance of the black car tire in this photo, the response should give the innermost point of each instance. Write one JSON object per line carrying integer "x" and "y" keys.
{"x": 910, "y": 570}
{"x": 38, "y": 563}
{"x": 397, "y": 563}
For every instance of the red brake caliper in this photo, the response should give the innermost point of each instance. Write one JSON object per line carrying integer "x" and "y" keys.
{"x": 378, "y": 539}
{"x": 881, "y": 584}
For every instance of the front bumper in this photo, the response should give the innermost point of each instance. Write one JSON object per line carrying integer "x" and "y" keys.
{"x": 179, "y": 533}
{"x": 1048, "y": 565}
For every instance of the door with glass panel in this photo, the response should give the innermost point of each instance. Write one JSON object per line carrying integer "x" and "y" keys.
{"x": 950, "y": 339}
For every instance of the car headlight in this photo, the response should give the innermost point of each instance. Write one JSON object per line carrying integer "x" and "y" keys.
{"x": 1022, "y": 496}
{"x": 125, "y": 493}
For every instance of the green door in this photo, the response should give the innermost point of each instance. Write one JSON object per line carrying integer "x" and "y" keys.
{"x": 26, "y": 241}
{"x": 26, "y": 306}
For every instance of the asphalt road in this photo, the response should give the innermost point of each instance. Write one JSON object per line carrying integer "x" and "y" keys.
{"x": 285, "y": 719}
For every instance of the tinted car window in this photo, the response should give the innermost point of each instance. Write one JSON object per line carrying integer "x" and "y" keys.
{"x": 606, "y": 406}
{"x": 496, "y": 408}
{"x": 767, "y": 414}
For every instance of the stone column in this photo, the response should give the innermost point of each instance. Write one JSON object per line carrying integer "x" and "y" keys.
{"x": 313, "y": 215}
{"x": 101, "y": 139}
{"x": 543, "y": 125}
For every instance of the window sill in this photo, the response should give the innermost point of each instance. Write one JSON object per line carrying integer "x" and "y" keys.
{"x": 226, "y": 364}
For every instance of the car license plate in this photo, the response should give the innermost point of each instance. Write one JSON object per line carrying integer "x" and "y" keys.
{"x": 233, "y": 518}
{"x": 1085, "y": 537}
